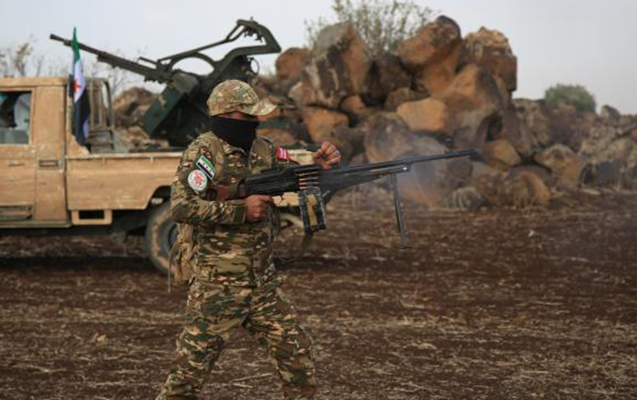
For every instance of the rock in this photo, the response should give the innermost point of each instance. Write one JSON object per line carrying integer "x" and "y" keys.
{"x": 618, "y": 151}
{"x": 436, "y": 77}
{"x": 474, "y": 105}
{"x": 520, "y": 190}
{"x": 337, "y": 66}
{"x": 354, "y": 107}
{"x": 133, "y": 136}
{"x": 426, "y": 183}
{"x": 130, "y": 105}
{"x": 563, "y": 163}
{"x": 290, "y": 63}
{"x": 610, "y": 115}
{"x": 535, "y": 122}
{"x": 513, "y": 131}
{"x": 321, "y": 123}
{"x": 534, "y": 192}
{"x": 386, "y": 137}
{"x": 354, "y": 137}
{"x": 425, "y": 115}
{"x": 491, "y": 50}
{"x": 302, "y": 94}
{"x": 431, "y": 43}
{"x": 543, "y": 173}
{"x": 465, "y": 198}
{"x": 555, "y": 158}
{"x": 604, "y": 174}
{"x": 400, "y": 96}
{"x": 570, "y": 127}
{"x": 600, "y": 138}
{"x": 500, "y": 154}
{"x": 278, "y": 136}
{"x": 386, "y": 75}
{"x": 480, "y": 169}
{"x": 629, "y": 179}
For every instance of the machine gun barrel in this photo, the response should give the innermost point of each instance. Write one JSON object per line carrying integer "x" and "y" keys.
{"x": 152, "y": 74}
{"x": 314, "y": 186}
{"x": 277, "y": 181}
{"x": 405, "y": 161}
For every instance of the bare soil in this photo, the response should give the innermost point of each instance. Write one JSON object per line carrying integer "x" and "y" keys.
{"x": 507, "y": 304}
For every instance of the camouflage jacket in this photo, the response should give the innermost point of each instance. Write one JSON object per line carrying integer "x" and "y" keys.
{"x": 227, "y": 248}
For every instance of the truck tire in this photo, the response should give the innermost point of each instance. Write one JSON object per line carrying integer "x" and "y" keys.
{"x": 161, "y": 234}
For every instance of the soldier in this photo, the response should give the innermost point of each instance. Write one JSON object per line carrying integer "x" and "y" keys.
{"x": 234, "y": 280}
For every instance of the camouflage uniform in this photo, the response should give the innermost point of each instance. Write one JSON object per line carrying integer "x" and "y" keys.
{"x": 235, "y": 282}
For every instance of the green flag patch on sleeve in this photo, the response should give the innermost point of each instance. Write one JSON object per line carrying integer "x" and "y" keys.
{"x": 206, "y": 166}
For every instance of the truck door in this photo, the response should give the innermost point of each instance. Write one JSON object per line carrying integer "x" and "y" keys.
{"x": 49, "y": 139}
{"x": 17, "y": 156}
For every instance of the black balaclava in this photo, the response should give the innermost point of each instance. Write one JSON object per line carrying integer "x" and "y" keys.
{"x": 237, "y": 132}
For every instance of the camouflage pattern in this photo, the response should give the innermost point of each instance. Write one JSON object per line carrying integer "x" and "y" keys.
{"x": 234, "y": 95}
{"x": 235, "y": 282}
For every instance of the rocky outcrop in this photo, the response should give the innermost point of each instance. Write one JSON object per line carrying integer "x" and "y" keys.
{"x": 500, "y": 154}
{"x": 475, "y": 105}
{"x": 290, "y": 63}
{"x": 425, "y": 115}
{"x": 337, "y": 67}
{"x": 130, "y": 105}
{"x": 386, "y": 75}
{"x": 491, "y": 50}
{"x": 431, "y": 43}
{"x": 321, "y": 123}
{"x": 440, "y": 92}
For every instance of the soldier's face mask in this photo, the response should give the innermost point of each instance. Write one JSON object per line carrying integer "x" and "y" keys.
{"x": 237, "y": 132}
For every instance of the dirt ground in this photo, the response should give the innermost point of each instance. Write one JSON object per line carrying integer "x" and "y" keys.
{"x": 513, "y": 304}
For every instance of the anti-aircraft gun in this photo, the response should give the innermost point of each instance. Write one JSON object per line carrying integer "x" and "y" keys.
{"x": 179, "y": 114}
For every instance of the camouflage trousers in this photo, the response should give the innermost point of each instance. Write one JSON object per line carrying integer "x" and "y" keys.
{"x": 213, "y": 311}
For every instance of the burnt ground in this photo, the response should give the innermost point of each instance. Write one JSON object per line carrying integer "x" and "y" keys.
{"x": 509, "y": 304}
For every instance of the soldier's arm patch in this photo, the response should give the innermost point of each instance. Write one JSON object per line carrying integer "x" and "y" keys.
{"x": 284, "y": 155}
{"x": 197, "y": 180}
{"x": 206, "y": 166}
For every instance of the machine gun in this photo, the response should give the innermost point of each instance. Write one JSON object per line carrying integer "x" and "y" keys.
{"x": 315, "y": 185}
{"x": 179, "y": 114}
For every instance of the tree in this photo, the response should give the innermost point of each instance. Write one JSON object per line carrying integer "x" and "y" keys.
{"x": 570, "y": 95}
{"x": 382, "y": 24}
{"x": 20, "y": 60}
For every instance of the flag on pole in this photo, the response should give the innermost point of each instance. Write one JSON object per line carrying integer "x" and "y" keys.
{"x": 81, "y": 107}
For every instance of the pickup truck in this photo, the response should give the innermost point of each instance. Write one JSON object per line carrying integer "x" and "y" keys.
{"x": 51, "y": 185}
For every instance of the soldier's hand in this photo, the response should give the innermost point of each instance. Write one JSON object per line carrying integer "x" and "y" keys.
{"x": 327, "y": 156}
{"x": 257, "y": 206}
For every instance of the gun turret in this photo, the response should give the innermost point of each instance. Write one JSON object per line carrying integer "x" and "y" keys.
{"x": 180, "y": 114}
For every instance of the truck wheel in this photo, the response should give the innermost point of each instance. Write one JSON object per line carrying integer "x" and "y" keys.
{"x": 161, "y": 234}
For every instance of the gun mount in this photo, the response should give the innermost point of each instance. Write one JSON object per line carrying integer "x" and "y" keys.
{"x": 180, "y": 114}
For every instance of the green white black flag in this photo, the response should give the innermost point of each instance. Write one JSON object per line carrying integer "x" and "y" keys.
{"x": 81, "y": 106}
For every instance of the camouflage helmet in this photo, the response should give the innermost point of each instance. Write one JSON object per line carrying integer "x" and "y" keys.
{"x": 234, "y": 95}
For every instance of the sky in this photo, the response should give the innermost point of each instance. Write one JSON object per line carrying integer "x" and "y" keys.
{"x": 585, "y": 42}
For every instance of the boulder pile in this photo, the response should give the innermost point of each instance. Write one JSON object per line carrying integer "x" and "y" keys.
{"x": 440, "y": 91}
{"x": 129, "y": 106}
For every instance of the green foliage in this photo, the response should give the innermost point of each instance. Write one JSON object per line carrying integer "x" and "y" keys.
{"x": 382, "y": 24}
{"x": 570, "y": 95}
